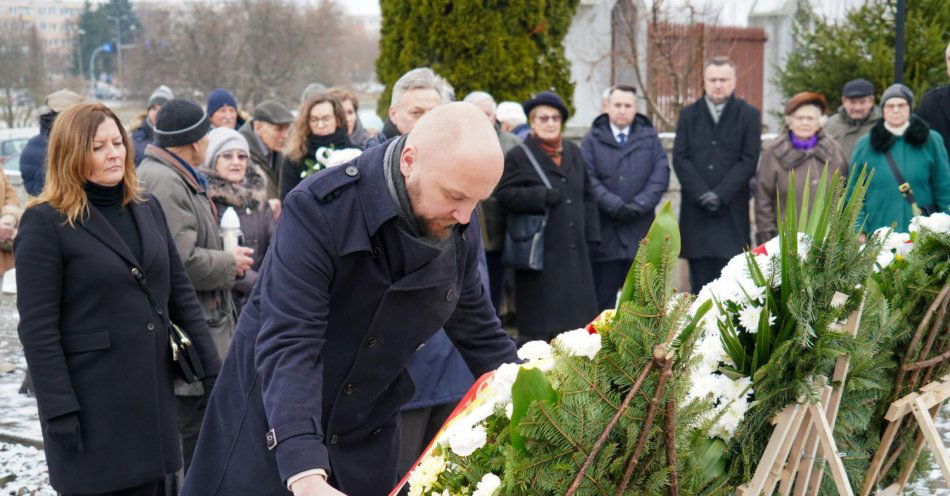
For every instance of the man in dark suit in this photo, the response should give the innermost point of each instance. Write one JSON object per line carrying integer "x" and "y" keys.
{"x": 369, "y": 260}
{"x": 715, "y": 153}
{"x": 935, "y": 107}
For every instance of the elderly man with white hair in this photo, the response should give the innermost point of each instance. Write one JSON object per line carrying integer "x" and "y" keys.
{"x": 415, "y": 93}
{"x": 512, "y": 118}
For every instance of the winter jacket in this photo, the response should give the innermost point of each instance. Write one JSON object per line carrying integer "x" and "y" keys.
{"x": 317, "y": 371}
{"x": 847, "y": 131}
{"x": 778, "y": 159}
{"x": 935, "y": 110}
{"x": 196, "y": 233}
{"x": 142, "y": 136}
{"x": 33, "y": 157}
{"x": 922, "y": 160}
{"x": 264, "y": 159}
{"x": 561, "y": 296}
{"x": 249, "y": 201}
{"x": 719, "y": 157}
{"x": 360, "y": 135}
{"x": 636, "y": 172}
{"x": 97, "y": 347}
{"x": 9, "y": 205}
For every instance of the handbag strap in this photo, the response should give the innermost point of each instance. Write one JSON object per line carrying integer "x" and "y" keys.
{"x": 902, "y": 185}
{"x": 140, "y": 278}
{"x": 537, "y": 167}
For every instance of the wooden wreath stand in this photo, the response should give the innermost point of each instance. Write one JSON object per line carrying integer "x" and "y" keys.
{"x": 800, "y": 431}
{"x": 916, "y": 368}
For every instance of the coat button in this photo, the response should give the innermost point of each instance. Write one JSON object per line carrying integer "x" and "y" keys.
{"x": 568, "y": 201}
{"x": 621, "y": 178}
{"x": 710, "y": 166}
{"x": 573, "y": 247}
{"x": 349, "y": 389}
{"x": 352, "y": 171}
{"x": 371, "y": 341}
{"x": 450, "y": 295}
{"x": 334, "y": 439}
{"x": 563, "y": 179}
{"x": 150, "y": 326}
{"x": 421, "y": 345}
{"x": 377, "y": 251}
{"x": 570, "y": 224}
{"x": 713, "y": 143}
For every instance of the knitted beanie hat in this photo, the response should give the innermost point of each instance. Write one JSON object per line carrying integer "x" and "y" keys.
{"x": 223, "y": 139}
{"x": 180, "y": 122}
{"x": 898, "y": 90}
{"x": 161, "y": 95}
{"x": 218, "y": 98}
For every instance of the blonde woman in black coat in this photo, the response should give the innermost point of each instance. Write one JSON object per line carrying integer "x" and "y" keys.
{"x": 95, "y": 342}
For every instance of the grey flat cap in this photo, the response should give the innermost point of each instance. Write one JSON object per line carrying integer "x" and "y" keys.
{"x": 273, "y": 112}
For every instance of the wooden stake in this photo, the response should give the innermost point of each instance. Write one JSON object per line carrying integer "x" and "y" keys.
{"x": 932, "y": 437}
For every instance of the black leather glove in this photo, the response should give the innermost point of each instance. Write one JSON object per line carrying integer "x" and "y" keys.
{"x": 208, "y": 384}
{"x": 627, "y": 213}
{"x": 65, "y": 430}
{"x": 552, "y": 197}
{"x": 710, "y": 201}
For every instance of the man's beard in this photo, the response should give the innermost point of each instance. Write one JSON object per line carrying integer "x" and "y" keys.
{"x": 436, "y": 229}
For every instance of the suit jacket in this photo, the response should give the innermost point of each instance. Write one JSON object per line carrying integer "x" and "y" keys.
{"x": 317, "y": 370}
{"x": 96, "y": 346}
{"x": 719, "y": 157}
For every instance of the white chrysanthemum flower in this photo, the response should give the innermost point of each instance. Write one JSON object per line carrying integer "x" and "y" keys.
{"x": 838, "y": 299}
{"x": 535, "y": 350}
{"x": 488, "y": 486}
{"x": 464, "y": 440}
{"x": 578, "y": 342}
{"x": 749, "y": 318}
{"x": 425, "y": 475}
{"x": 937, "y": 223}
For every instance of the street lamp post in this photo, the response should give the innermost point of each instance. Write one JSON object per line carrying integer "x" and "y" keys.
{"x": 118, "y": 42}
{"x": 899, "y": 41}
{"x": 92, "y": 65}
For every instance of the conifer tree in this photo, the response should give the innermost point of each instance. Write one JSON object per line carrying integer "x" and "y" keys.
{"x": 510, "y": 49}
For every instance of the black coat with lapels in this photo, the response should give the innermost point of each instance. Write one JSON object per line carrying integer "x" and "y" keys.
{"x": 96, "y": 346}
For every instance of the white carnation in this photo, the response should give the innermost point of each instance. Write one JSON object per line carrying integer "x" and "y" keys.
{"x": 535, "y": 350}
{"x": 937, "y": 223}
{"x": 578, "y": 342}
{"x": 488, "y": 486}
{"x": 464, "y": 440}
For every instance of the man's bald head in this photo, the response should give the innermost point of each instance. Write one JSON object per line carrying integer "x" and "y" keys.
{"x": 451, "y": 160}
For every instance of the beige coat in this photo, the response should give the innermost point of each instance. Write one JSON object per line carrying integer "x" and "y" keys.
{"x": 846, "y": 131}
{"x": 777, "y": 160}
{"x": 9, "y": 205}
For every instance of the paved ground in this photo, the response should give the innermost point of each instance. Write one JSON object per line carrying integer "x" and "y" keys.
{"x": 23, "y": 467}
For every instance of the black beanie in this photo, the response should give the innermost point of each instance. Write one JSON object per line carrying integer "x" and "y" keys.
{"x": 180, "y": 122}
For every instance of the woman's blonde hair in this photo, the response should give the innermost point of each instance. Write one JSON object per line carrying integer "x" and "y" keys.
{"x": 300, "y": 129}
{"x": 69, "y": 160}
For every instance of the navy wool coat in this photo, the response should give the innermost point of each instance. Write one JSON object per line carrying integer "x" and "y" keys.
{"x": 97, "y": 347}
{"x": 720, "y": 157}
{"x": 635, "y": 172}
{"x": 316, "y": 373}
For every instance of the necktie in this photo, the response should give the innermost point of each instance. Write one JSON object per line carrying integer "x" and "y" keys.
{"x": 622, "y": 138}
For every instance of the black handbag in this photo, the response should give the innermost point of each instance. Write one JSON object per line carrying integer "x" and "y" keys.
{"x": 186, "y": 362}
{"x": 524, "y": 238}
{"x": 904, "y": 187}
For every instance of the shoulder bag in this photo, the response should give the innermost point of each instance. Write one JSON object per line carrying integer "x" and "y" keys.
{"x": 186, "y": 362}
{"x": 524, "y": 238}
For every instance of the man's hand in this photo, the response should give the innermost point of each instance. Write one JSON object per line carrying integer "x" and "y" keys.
{"x": 275, "y": 207}
{"x": 314, "y": 485}
{"x": 627, "y": 213}
{"x": 710, "y": 201}
{"x": 242, "y": 259}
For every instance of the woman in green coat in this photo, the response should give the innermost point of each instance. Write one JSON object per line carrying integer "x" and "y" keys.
{"x": 919, "y": 155}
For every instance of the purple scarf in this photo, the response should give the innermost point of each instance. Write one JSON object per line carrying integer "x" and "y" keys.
{"x": 803, "y": 144}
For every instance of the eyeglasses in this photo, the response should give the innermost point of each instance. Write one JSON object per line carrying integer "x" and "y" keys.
{"x": 231, "y": 156}
{"x": 325, "y": 120}
{"x": 543, "y": 119}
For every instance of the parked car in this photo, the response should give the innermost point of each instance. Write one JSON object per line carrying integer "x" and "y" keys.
{"x": 11, "y": 166}
{"x": 12, "y": 141}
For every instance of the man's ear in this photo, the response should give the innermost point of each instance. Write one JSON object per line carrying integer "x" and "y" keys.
{"x": 407, "y": 159}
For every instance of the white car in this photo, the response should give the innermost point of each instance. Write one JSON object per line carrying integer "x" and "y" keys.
{"x": 12, "y": 141}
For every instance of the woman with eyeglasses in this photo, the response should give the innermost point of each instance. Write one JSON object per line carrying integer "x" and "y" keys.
{"x": 801, "y": 147}
{"x": 235, "y": 182}
{"x": 320, "y": 123}
{"x": 561, "y": 296}
{"x": 918, "y": 154}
